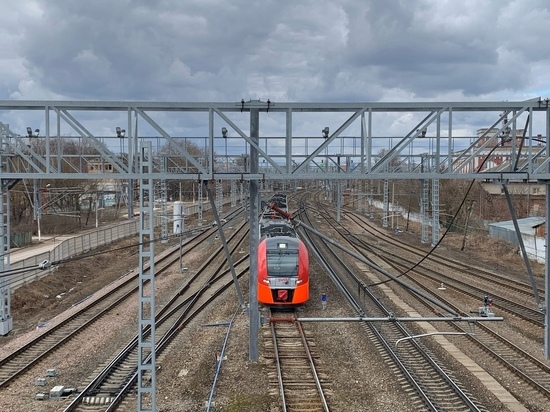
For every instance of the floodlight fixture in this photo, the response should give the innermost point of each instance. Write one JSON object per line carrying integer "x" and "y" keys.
{"x": 29, "y": 131}
{"x": 224, "y": 132}
{"x": 325, "y": 132}
{"x": 36, "y": 132}
{"x": 120, "y": 132}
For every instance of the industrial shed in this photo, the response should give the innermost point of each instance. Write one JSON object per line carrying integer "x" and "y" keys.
{"x": 532, "y": 231}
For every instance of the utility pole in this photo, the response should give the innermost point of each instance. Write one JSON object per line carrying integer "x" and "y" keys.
{"x": 470, "y": 209}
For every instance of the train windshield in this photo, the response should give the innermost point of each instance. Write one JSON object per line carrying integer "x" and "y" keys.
{"x": 282, "y": 261}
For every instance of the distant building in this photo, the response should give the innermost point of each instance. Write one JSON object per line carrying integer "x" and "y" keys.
{"x": 99, "y": 166}
{"x": 109, "y": 190}
{"x": 498, "y": 156}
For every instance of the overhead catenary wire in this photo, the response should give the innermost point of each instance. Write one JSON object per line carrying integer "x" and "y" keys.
{"x": 394, "y": 278}
{"x": 450, "y": 223}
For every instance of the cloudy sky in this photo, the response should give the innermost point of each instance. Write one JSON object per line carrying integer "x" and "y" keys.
{"x": 284, "y": 50}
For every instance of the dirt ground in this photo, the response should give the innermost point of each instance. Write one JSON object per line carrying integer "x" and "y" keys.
{"x": 493, "y": 253}
{"x": 42, "y": 300}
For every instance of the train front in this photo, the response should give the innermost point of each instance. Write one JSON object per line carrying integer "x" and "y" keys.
{"x": 283, "y": 271}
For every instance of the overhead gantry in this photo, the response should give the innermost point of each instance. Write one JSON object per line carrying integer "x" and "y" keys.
{"x": 299, "y": 144}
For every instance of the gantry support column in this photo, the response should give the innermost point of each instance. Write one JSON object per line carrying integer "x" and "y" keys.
{"x": 254, "y": 314}
{"x": 547, "y": 258}
{"x": 6, "y": 321}
{"x": 424, "y": 204}
{"x": 435, "y": 186}
{"x": 132, "y": 161}
{"x": 233, "y": 193}
{"x": 435, "y": 211}
{"x": 547, "y": 280}
{"x": 219, "y": 196}
{"x": 164, "y": 204}
{"x": 146, "y": 309}
{"x": 199, "y": 205}
{"x": 546, "y": 306}
{"x": 338, "y": 194}
{"x": 371, "y": 199}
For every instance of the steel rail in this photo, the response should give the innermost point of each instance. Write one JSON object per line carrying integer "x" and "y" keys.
{"x": 165, "y": 314}
{"x": 452, "y": 384}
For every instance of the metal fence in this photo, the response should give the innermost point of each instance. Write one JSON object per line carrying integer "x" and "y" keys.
{"x": 77, "y": 244}
{"x": 72, "y": 246}
{"x": 20, "y": 239}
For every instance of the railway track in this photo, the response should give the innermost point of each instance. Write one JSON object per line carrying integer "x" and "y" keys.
{"x": 492, "y": 280}
{"x": 25, "y": 357}
{"x": 108, "y": 388}
{"x": 434, "y": 387}
{"x": 18, "y": 362}
{"x": 301, "y": 387}
{"x": 493, "y": 347}
{"x": 458, "y": 277}
{"x": 445, "y": 271}
{"x": 532, "y": 372}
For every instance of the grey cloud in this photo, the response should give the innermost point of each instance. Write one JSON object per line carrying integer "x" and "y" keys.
{"x": 431, "y": 50}
{"x": 298, "y": 51}
{"x": 135, "y": 52}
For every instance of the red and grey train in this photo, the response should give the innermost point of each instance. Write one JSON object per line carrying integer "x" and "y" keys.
{"x": 283, "y": 262}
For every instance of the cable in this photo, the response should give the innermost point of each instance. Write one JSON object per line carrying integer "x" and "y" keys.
{"x": 19, "y": 272}
{"x": 450, "y": 224}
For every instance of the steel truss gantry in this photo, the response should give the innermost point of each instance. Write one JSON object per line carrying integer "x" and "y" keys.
{"x": 378, "y": 140}
{"x": 425, "y": 141}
